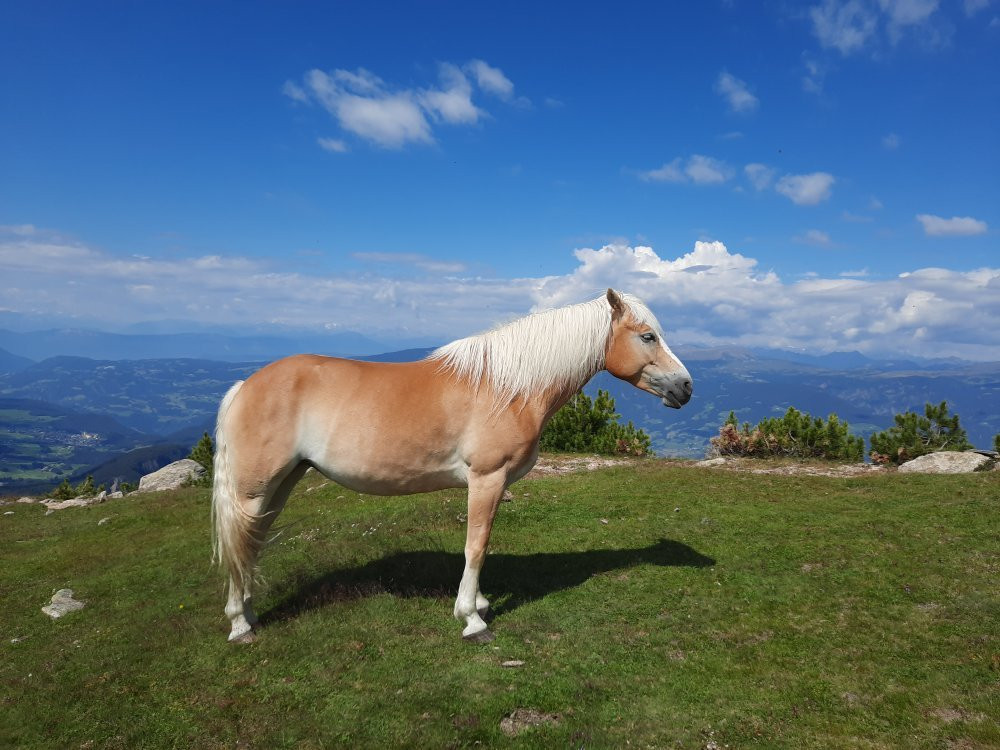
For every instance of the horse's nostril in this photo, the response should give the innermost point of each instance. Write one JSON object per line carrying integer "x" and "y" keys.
{"x": 686, "y": 385}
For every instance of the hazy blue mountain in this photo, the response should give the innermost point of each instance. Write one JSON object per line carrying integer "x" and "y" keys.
{"x": 756, "y": 387}
{"x": 165, "y": 404}
{"x": 39, "y": 345}
{"x": 13, "y": 362}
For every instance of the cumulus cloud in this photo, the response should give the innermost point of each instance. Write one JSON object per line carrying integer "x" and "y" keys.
{"x": 334, "y": 145}
{"x": 850, "y": 26}
{"x": 956, "y": 226}
{"x": 845, "y": 26}
{"x": 736, "y": 93}
{"x": 699, "y": 169}
{"x": 890, "y": 141}
{"x": 806, "y": 189}
{"x": 707, "y": 296}
{"x": 760, "y": 175}
{"x": 814, "y": 237}
{"x": 490, "y": 79}
{"x": 366, "y": 106}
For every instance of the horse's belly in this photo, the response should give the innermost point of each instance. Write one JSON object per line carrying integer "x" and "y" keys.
{"x": 390, "y": 479}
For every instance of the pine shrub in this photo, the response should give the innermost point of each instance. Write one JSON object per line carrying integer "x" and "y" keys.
{"x": 914, "y": 435}
{"x": 795, "y": 435}
{"x": 584, "y": 425}
{"x": 204, "y": 453}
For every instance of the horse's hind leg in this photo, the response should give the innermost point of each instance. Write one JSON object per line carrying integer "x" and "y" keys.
{"x": 261, "y": 510}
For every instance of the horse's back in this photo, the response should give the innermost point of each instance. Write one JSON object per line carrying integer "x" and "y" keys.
{"x": 379, "y": 427}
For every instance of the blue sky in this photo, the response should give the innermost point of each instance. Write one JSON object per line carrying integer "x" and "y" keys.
{"x": 815, "y": 175}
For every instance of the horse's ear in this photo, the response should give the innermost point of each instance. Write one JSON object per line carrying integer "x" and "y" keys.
{"x": 617, "y": 304}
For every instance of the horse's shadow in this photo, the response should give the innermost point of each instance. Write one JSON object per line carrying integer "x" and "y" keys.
{"x": 511, "y": 580}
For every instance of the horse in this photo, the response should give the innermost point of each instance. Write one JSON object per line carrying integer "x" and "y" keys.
{"x": 468, "y": 415}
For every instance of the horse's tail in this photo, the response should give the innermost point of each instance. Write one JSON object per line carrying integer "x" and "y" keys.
{"x": 233, "y": 541}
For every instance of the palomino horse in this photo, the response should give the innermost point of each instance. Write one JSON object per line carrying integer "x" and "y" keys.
{"x": 469, "y": 415}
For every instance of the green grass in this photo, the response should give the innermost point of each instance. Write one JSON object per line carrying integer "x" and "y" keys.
{"x": 752, "y": 611}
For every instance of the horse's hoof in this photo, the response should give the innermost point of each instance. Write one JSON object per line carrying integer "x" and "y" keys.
{"x": 247, "y": 637}
{"x": 483, "y": 636}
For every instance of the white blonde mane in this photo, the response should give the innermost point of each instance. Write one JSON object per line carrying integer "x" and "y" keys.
{"x": 560, "y": 348}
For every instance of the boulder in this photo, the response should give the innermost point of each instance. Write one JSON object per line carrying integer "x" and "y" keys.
{"x": 171, "y": 476}
{"x": 947, "y": 462}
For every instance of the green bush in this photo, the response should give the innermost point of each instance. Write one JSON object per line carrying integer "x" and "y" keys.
{"x": 204, "y": 453}
{"x": 591, "y": 426}
{"x": 86, "y": 488}
{"x": 796, "y": 435}
{"x": 914, "y": 435}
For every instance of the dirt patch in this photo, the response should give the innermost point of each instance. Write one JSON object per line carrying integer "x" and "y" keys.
{"x": 950, "y": 715}
{"x": 522, "y": 719}
{"x": 790, "y": 468}
{"x": 547, "y": 466}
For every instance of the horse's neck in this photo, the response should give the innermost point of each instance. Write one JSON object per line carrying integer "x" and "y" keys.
{"x": 553, "y": 399}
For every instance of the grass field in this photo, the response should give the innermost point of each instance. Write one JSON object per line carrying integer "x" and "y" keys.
{"x": 654, "y": 605}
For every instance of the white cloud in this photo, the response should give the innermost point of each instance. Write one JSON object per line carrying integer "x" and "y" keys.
{"x": 706, "y": 296}
{"x": 856, "y": 218}
{"x": 334, "y": 145}
{"x": 845, "y": 26}
{"x": 974, "y": 6}
{"x": 417, "y": 260}
{"x": 363, "y": 104}
{"x": 452, "y": 103}
{"x": 956, "y": 226}
{"x": 812, "y": 81}
{"x": 491, "y": 80}
{"x": 736, "y": 93}
{"x": 814, "y": 237}
{"x": 852, "y": 25}
{"x": 760, "y": 175}
{"x": 699, "y": 169}
{"x": 806, "y": 189}
{"x": 875, "y": 204}
{"x": 890, "y": 141}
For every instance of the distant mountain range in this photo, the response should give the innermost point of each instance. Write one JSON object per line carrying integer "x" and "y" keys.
{"x": 69, "y": 415}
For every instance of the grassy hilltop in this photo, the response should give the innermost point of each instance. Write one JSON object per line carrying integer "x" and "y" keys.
{"x": 655, "y": 604}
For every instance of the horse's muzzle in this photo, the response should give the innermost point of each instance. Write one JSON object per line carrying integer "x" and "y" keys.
{"x": 676, "y": 390}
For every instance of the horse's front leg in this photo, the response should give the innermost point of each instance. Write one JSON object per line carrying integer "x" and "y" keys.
{"x": 485, "y": 491}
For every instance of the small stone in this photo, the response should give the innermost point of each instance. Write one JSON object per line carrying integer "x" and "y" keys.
{"x": 8, "y": 512}
{"x": 104, "y": 520}
{"x": 115, "y": 495}
{"x": 27, "y": 499}
{"x": 62, "y": 603}
{"x": 512, "y": 663}
{"x": 604, "y": 521}
{"x": 507, "y": 496}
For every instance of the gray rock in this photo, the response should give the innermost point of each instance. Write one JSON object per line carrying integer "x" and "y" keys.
{"x": 76, "y": 502}
{"x": 62, "y": 603}
{"x": 115, "y": 494}
{"x": 708, "y": 462}
{"x": 171, "y": 476}
{"x": 947, "y": 462}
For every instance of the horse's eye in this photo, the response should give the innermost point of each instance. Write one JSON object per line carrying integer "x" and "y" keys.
{"x": 648, "y": 337}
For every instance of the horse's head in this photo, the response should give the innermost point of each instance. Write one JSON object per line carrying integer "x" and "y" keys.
{"x": 637, "y": 353}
